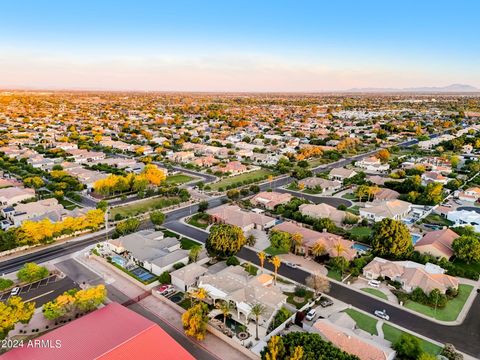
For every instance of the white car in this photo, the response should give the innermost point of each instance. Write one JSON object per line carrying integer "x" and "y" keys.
{"x": 15, "y": 291}
{"x": 291, "y": 265}
{"x": 382, "y": 314}
{"x": 311, "y": 314}
{"x": 374, "y": 283}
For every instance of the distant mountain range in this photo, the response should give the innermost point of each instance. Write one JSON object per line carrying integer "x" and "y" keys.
{"x": 454, "y": 88}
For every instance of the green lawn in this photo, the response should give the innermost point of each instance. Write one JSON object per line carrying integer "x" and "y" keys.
{"x": 450, "y": 311}
{"x": 435, "y": 219}
{"x": 392, "y": 334}
{"x": 274, "y": 251}
{"x": 472, "y": 266}
{"x": 364, "y": 322}
{"x": 311, "y": 191}
{"x": 361, "y": 231}
{"x": 178, "y": 179}
{"x": 334, "y": 274}
{"x": 257, "y": 174}
{"x": 354, "y": 210}
{"x": 349, "y": 196}
{"x": 187, "y": 244}
{"x": 67, "y": 204}
{"x": 250, "y": 268}
{"x": 376, "y": 293}
{"x": 199, "y": 220}
{"x": 143, "y": 206}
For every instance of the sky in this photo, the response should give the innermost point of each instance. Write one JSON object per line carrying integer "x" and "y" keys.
{"x": 230, "y": 45}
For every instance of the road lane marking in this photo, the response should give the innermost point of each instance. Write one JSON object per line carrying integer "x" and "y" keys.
{"x": 39, "y": 296}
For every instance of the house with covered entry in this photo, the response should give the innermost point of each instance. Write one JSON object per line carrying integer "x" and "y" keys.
{"x": 233, "y": 215}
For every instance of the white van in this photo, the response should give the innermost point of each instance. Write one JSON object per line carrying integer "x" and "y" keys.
{"x": 374, "y": 283}
{"x": 311, "y": 314}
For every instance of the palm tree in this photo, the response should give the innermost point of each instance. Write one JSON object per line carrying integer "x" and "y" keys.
{"x": 297, "y": 241}
{"x": 257, "y": 310}
{"x": 251, "y": 240}
{"x": 276, "y": 262}
{"x": 339, "y": 248}
{"x": 225, "y": 308}
{"x": 318, "y": 249}
{"x": 194, "y": 253}
{"x": 261, "y": 256}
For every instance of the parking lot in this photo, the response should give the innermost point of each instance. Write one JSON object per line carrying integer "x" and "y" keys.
{"x": 44, "y": 290}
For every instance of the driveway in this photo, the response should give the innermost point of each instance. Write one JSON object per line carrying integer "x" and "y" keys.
{"x": 262, "y": 239}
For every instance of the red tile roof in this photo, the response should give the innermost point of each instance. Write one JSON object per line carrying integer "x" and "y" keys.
{"x": 112, "y": 332}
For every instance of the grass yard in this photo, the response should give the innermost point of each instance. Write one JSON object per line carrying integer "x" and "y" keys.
{"x": 435, "y": 219}
{"x": 450, "y": 312}
{"x": 392, "y": 334}
{"x": 187, "y": 244}
{"x": 168, "y": 233}
{"x": 249, "y": 176}
{"x": 375, "y": 292}
{"x": 274, "y": 251}
{"x": 361, "y": 231}
{"x": 472, "y": 266}
{"x": 250, "y": 268}
{"x": 68, "y": 204}
{"x": 364, "y": 322}
{"x": 355, "y": 210}
{"x": 178, "y": 179}
{"x": 349, "y": 196}
{"x": 291, "y": 300}
{"x": 143, "y": 206}
{"x": 199, "y": 220}
{"x": 334, "y": 274}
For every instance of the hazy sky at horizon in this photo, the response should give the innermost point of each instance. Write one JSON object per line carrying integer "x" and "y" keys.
{"x": 238, "y": 45}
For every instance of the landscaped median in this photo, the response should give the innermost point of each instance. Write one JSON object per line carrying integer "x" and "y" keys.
{"x": 242, "y": 179}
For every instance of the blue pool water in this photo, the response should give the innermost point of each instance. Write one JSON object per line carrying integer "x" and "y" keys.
{"x": 415, "y": 238}
{"x": 117, "y": 259}
{"x": 142, "y": 273}
{"x": 360, "y": 247}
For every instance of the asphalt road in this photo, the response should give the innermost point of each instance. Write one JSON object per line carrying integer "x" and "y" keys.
{"x": 44, "y": 290}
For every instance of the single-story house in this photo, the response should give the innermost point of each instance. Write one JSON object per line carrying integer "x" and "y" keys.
{"x": 233, "y": 215}
{"x": 471, "y": 194}
{"x": 437, "y": 243}
{"x": 270, "y": 199}
{"x": 411, "y": 275}
{"x": 151, "y": 250}
{"x": 341, "y": 174}
{"x": 320, "y": 211}
{"x": 465, "y": 217}
{"x": 14, "y": 195}
{"x": 324, "y": 184}
{"x": 432, "y": 176}
{"x": 393, "y": 209}
{"x": 386, "y": 194}
{"x": 372, "y": 164}
{"x": 187, "y": 276}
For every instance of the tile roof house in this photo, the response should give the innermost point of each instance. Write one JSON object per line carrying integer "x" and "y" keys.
{"x": 13, "y": 195}
{"x": 471, "y": 194}
{"x": 347, "y": 340}
{"x": 331, "y": 242}
{"x": 233, "y": 215}
{"x": 386, "y": 194}
{"x": 437, "y": 243}
{"x": 341, "y": 174}
{"x": 432, "y": 176}
{"x": 150, "y": 250}
{"x": 232, "y": 167}
{"x": 372, "y": 164}
{"x": 270, "y": 199}
{"x": 326, "y": 185}
{"x": 103, "y": 335}
{"x": 392, "y": 209}
{"x": 187, "y": 276}
{"x": 411, "y": 275}
{"x": 320, "y": 211}
{"x": 235, "y": 284}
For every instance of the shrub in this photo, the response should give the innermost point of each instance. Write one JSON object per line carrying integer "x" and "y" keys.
{"x": 233, "y": 261}
{"x": 300, "y": 291}
{"x": 178, "y": 265}
{"x": 342, "y": 207}
{"x": 5, "y": 283}
{"x": 165, "y": 278}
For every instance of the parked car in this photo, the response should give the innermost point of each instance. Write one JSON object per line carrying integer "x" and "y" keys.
{"x": 311, "y": 314}
{"x": 325, "y": 302}
{"x": 374, "y": 283}
{"x": 163, "y": 289}
{"x": 291, "y": 265}
{"x": 382, "y": 314}
{"x": 15, "y": 291}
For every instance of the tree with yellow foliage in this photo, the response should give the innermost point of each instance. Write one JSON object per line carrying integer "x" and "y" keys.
{"x": 195, "y": 321}
{"x": 153, "y": 174}
{"x": 91, "y": 298}
{"x": 12, "y": 311}
{"x": 383, "y": 155}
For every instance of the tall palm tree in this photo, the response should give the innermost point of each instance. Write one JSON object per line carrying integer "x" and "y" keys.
{"x": 225, "y": 308}
{"x": 297, "y": 242}
{"x": 276, "y": 262}
{"x": 251, "y": 240}
{"x": 261, "y": 256}
{"x": 339, "y": 248}
{"x": 194, "y": 253}
{"x": 318, "y": 249}
{"x": 257, "y": 310}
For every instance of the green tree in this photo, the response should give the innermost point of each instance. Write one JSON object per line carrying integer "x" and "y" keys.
{"x": 233, "y": 194}
{"x": 281, "y": 240}
{"x": 102, "y": 205}
{"x": 467, "y": 248}
{"x": 224, "y": 240}
{"x": 407, "y": 347}
{"x": 32, "y": 272}
{"x": 35, "y": 182}
{"x": 12, "y": 311}
{"x": 391, "y": 238}
{"x": 202, "y": 205}
{"x": 256, "y": 311}
{"x": 194, "y": 253}
{"x": 157, "y": 218}
{"x": 127, "y": 227}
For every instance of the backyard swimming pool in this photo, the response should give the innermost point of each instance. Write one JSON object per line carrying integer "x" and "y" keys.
{"x": 361, "y": 247}
{"x": 415, "y": 238}
{"x": 117, "y": 259}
